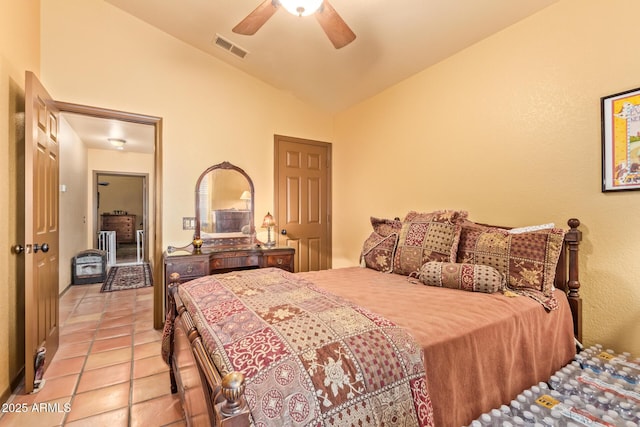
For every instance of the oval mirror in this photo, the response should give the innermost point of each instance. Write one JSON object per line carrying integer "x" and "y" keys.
{"x": 224, "y": 206}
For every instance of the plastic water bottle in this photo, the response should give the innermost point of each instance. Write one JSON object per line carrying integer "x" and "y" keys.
{"x": 593, "y": 365}
{"x": 528, "y": 394}
{"x": 576, "y": 402}
{"x": 568, "y": 390}
{"x": 555, "y": 382}
{"x": 524, "y": 400}
{"x": 506, "y": 411}
{"x": 496, "y": 417}
{"x": 614, "y": 416}
{"x": 625, "y": 409}
{"x": 537, "y": 411}
{"x": 528, "y": 418}
{"x": 485, "y": 420}
{"x": 517, "y": 421}
{"x": 588, "y": 394}
{"x": 558, "y": 418}
{"x": 593, "y": 410}
{"x": 516, "y": 408}
{"x": 603, "y": 403}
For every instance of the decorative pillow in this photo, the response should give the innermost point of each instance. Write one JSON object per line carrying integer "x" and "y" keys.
{"x": 528, "y": 260}
{"x": 378, "y": 250}
{"x": 427, "y": 237}
{"x": 468, "y": 277}
{"x": 385, "y": 227}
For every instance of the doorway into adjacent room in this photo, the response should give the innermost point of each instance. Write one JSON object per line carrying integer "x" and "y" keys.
{"x": 121, "y": 212}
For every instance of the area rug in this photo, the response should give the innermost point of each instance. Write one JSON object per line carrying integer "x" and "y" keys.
{"x": 122, "y": 277}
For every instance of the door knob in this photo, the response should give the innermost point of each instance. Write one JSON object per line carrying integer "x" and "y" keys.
{"x": 44, "y": 247}
{"x": 283, "y": 231}
{"x": 18, "y": 249}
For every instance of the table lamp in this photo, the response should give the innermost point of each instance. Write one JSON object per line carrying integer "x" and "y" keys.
{"x": 268, "y": 223}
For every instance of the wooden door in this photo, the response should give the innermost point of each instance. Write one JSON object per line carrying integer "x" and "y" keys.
{"x": 303, "y": 200}
{"x": 41, "y": 226}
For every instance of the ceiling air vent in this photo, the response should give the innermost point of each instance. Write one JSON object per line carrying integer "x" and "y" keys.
{"x": 228, "y": 46}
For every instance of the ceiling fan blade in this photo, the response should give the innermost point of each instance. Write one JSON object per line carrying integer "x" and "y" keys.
{"x": 334, "y": 26}
{"x": 256, "y": 19}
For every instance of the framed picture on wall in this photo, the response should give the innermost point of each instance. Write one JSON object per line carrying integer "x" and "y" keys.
{"x": 621, "y": 141}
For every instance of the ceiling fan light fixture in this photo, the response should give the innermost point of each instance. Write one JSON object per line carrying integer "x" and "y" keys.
{"x": 301, "y": 7}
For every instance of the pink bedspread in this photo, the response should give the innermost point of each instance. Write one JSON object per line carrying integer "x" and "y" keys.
{"x": 309, "y": 357}
{"x": 480, "y": 350}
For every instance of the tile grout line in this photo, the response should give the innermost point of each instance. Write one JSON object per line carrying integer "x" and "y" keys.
{"x": 86, "y": 358}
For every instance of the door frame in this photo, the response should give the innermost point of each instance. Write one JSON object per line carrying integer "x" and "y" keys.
{"x": 276, "y": 190}
{"x": 155, "y": 253}
{"x": 145, "y": 204}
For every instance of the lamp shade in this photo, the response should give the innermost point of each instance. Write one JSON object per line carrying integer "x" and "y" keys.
{"x": 245, "y": 195}
{"x": 268, "y": 221}
{"x": 301, "y": 7}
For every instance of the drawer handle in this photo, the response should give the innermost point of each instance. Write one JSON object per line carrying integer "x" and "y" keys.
{"x": 279, "y": 261}
{"x": 189, "y": 269}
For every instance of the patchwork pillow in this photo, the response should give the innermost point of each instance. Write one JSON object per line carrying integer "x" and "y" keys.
{"x": 427, "y": 237}
{"x": 528, "y": 260}
{"x": 378, "y": 250}
{"x": 468, "y": 277}
{"x": 385, "y": 227}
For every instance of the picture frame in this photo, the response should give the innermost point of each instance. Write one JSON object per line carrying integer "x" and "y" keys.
{"x": 621, "y": 141}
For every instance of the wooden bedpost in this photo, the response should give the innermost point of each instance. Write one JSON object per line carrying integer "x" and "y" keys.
{"x": 572, "y": 239}
{"x": 233, "y": 412}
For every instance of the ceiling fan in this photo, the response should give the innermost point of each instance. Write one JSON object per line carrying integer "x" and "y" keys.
{"x": 333, "y": 25}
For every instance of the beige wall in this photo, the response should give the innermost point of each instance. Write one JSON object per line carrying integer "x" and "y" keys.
{"x": 124, "y": 193}
{"x": 19, "y": 51}
{"x": 211, "y": 112}
{"x": 73, "y": 201}
{"x": 509, "y": 130}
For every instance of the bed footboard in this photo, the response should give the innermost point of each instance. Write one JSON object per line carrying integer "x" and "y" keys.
{"x": 207, "y": 397}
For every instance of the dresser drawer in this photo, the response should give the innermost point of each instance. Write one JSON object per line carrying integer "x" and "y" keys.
{"x": 188, "y": 270}
{"x": 279, "y": 260}
{"x": 235, "y": 262}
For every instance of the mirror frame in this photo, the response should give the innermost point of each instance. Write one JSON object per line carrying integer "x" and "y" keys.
{"x": 226, "y": 241}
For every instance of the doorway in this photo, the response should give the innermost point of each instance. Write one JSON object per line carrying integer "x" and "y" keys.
{"x": 121, "y": 212}
{"x": 153, "y": 229}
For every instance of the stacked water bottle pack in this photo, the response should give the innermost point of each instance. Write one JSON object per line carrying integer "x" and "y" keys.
{"x": 597, "y": 389}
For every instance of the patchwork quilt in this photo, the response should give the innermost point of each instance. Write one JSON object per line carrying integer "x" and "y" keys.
{"x": 309, "y": 357}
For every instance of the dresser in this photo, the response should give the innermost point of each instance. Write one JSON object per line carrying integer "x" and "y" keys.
{"x": 190, "y": 264}
{"x": 123, "y": 225}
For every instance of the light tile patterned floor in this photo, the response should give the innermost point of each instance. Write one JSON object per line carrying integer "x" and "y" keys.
{"x": 107, "y": 371}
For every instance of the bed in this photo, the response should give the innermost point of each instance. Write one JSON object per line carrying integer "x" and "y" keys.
{"x": 447, "y": 355}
